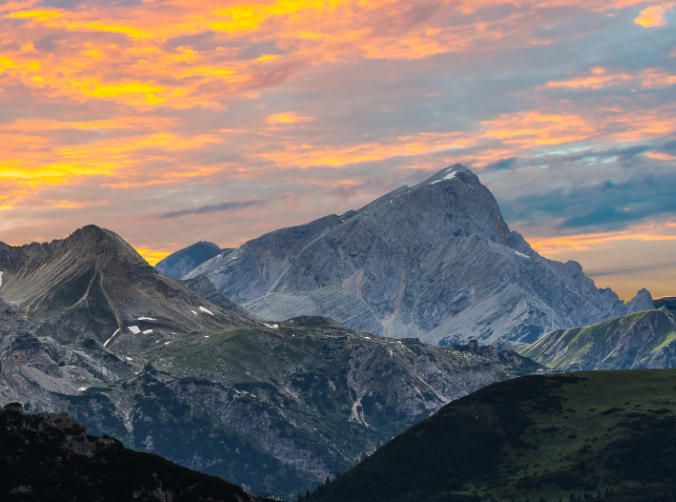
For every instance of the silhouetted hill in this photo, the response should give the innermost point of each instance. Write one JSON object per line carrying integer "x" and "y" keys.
{"x": 51, "y": 457}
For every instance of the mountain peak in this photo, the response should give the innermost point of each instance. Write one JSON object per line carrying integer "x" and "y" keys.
{"x": 449, "y": 173}
{"x": 435, "y": 261}
{"x": 642, "y": 301}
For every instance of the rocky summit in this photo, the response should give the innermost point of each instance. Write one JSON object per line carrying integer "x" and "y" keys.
{"x": 435, "y": 261}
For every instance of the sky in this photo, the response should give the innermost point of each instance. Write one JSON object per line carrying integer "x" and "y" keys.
{"x": 175, "y": 121}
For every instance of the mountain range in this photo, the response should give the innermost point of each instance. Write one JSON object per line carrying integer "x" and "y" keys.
{"x": 435, "y": 261}
{"x": 287, "y": 360}
{"x": 89, "y": 328}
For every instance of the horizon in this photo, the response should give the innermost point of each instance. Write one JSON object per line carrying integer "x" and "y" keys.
{"x": 172, "y": 122}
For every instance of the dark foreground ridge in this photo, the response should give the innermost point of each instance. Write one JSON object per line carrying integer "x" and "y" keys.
{"x": 604, "y": 435}
{"x": 48, "y": 456}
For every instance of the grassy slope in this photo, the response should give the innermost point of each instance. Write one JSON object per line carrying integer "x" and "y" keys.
{"x": 622, "y": 342}
{"x": 537, "y": 436}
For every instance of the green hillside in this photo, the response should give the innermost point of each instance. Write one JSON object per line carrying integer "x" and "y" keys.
{"x": 642, "y": 340}
{"x": 605, "y": 434}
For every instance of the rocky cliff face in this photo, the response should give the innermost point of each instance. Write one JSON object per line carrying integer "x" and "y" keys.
{"x": 49, "y": 456}
{"x": 644, "y": 339}
{"x": 435, "y": 261}
{"x": 181, "y": 262}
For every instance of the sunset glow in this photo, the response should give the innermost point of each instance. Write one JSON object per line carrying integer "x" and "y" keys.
{"x": 278, "y": 112}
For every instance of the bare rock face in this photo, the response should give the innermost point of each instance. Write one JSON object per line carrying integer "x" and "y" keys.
{"x": 435, "y": 261}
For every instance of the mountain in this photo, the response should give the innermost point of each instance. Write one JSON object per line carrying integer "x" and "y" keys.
{"x": 280, "y": 409}
{"x": 644, "y": 339}
{"x": 605, "y": 435}
{"x": 48, "y": 456}
{"x": 435, "y": 261}
{"x": 275, "y": 407}
{"x": 642, "y": 301}
{"x": 93, "y": 285}
{"x": 181, "y": 262}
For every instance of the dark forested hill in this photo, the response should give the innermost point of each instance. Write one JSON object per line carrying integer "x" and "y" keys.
{"x": 51, "y": 457}
{"x": 604, "y": 434}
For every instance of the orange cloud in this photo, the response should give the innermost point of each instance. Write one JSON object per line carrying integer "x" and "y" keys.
{"x": 530, "y": 129}
{"x": 651, "y": 78}
{"x": 287, "y": 118}
{"x": 557, "y": 245}
{"x": 654, "y": 16}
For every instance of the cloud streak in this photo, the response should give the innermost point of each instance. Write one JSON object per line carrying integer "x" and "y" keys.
{"x": 209, "y": 208}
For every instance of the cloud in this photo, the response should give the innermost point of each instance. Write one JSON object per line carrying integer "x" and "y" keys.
{"x": 210, "y": 208}
{"x": 606, "y": 205}
{"x": 287, "y": 118}
{"x": 654, "y": 16}
{"x": 502, "y": 163}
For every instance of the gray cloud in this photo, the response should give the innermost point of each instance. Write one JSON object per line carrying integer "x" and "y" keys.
{"x": 605, "y": 205}
{"x": 210, "y": 208}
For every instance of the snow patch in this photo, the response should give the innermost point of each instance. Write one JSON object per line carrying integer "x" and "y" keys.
{"x": 147, "y": 332}
{"x": 271, "y": 326}
{"x": 82, "y": 389}
{"x": 206, "y": 336}
{"x": 167, "y": 343}
{"x": 367, "y": 337}
{"x": 449, "y": 176}
{"x": 134, "y": 329}
{"x": 521, "y": 255}
{"x": 109, "y": 339}
{"x": 146, "y": 319}
{"x": 193, "y": 312}
{"x": 202, "y": 309}
{"x": 128, "y": 358}
{"x": 0, "y": 278}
